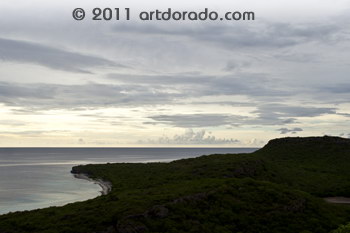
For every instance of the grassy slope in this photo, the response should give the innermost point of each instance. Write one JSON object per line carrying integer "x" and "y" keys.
{"x": 271, "y": 190}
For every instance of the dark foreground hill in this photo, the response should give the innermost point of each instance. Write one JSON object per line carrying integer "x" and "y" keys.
{"x": 278, "y": 188}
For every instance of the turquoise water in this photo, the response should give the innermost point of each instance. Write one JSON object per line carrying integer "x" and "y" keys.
{"x": 32, "y": 178}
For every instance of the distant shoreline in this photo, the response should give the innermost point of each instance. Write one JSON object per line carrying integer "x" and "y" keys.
{"x": 105, "y": 185}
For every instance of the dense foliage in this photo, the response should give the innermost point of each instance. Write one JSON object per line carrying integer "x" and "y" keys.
{"x": 342, "y": 229}
{"x": 276, "y": 189}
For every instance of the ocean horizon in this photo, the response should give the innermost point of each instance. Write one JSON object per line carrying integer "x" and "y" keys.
{"x": 39, "y": 177}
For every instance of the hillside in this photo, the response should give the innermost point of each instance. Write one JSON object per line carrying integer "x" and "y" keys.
{"x": 318, "y": 165}
{"x": 275, "y": 189}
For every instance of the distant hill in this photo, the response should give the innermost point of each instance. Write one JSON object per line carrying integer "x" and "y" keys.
{"x": 318, "y": 165}
{"x": 275, "y": 189}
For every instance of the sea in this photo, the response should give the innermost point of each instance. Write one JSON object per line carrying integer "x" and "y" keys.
{"x": 33, "y": 178}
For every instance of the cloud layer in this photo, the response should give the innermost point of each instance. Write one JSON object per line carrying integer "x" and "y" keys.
{"x": 124, "y": 81}
{"x": 51, "y": 57}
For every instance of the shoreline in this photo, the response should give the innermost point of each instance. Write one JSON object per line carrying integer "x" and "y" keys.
{"x": 337, "y": 200}
{"x": 105, "y": 185}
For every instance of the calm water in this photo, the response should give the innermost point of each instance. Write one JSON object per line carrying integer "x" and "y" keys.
{"x": 32, "y": 178}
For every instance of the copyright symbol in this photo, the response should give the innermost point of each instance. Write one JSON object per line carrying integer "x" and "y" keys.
{"x": 78, "y": 14}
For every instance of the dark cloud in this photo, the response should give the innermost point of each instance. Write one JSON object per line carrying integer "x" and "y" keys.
{"x": 297, "y": 57}
{"x": 51, "y": 96}
{"x": 263, "y": 34}
{"x": 236, "y": 65}
{"x": 339, "y": 88}
{"x": 293, "y": 111}
{"x": 229, "y": 103}
{"x": 272, "y": 114}
{"x": 194, "y": 120}
{"x": 54, "y": 58}
{"x": 212, "y": 120}
{"x": 207, "y": 85}
{"x": 33, "y": 133}
{"x": 292, "y": 131}
{"x": 343, "y": 114}
{"x": 190, "y": 137}
{"x": 279, "y": 114}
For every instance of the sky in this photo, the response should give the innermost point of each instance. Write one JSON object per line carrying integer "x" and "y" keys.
{"x": 173, "y": 83}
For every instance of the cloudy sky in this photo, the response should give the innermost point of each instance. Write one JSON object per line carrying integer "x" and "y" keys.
{"x": 134, "y": 83}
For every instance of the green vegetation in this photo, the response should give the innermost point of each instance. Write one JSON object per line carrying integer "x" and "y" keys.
{"x": 342, "y": 229}
{"x": 278, "y": 188}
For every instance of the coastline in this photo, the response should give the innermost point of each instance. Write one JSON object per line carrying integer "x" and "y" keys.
{"x": 337, "y": 200}
{"x": 105, "y": 185}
